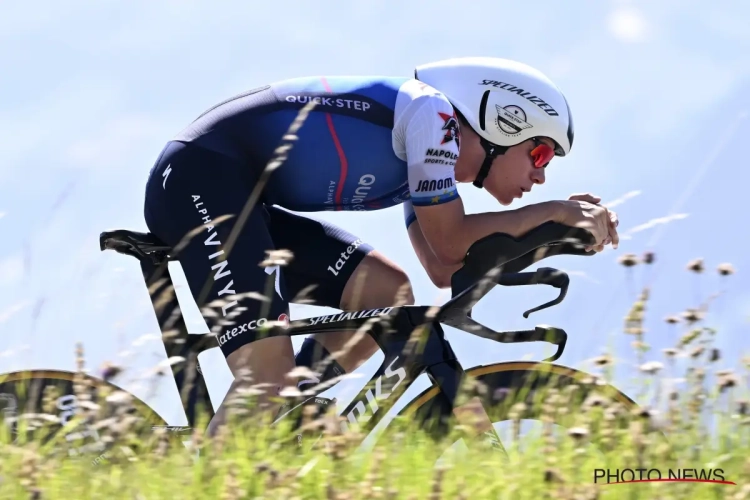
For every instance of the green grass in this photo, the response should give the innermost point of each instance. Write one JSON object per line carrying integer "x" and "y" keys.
{"x": 706, "y": 420}
{"x": 246, "y": 464}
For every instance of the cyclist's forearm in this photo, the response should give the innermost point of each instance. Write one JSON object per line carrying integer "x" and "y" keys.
{"x": 512, "y": 222}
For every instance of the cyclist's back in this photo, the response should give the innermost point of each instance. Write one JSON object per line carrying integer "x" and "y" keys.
{"x": 351, "y": 152}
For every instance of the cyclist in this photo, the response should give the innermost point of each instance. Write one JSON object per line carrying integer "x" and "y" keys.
{"x": 369, "y": 143}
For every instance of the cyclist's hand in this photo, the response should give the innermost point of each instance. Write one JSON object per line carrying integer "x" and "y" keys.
{"x": 592, "y": 198}
{"x": 588, "y": 197}
{"x": 599, "y": 221}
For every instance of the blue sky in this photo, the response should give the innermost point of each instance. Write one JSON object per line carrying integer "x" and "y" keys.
{"x": 91, "y": 92}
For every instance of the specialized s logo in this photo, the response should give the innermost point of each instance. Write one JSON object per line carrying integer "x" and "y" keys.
{"x": 450, "y": 126}
{"x": 384, "y": 388}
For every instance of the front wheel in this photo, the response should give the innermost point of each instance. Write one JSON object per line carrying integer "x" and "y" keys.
{"x": 512, "y": 392}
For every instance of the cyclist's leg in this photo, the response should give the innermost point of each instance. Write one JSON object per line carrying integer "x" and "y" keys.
{"x": 192, "y": 187}
{"x": 336, "y": 269}
{"x": 385, "y": 285}
{"x": 375, "y": 283}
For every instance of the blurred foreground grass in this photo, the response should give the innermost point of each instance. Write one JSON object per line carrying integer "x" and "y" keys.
{"x": 703, "y": 410}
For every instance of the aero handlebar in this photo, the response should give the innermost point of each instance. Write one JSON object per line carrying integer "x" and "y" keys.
{"x": 500, "y": 250}
{"x": 497, "y": 260}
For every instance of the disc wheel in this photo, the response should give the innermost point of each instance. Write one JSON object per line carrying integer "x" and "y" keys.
{"x": 73, "y": 413}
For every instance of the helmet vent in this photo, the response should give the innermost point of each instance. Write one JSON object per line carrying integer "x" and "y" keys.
{"x": 483, "y": 108}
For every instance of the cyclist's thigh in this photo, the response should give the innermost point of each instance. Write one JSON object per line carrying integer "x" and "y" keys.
{"x": 327, "y": 260}
{"x": 385, "y": 283}
{"x": 189, "y": 192}
{"x": 325, "y": 256}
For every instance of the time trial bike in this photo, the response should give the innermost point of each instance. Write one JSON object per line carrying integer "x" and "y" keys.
{"x": 411, "y": 337}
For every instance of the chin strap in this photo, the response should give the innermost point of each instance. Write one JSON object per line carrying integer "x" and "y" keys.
{"x": 491, "y": 152}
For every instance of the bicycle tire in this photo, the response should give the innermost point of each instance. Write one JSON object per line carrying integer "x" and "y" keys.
{"x": 531, "y": 379}
{"x": 22, "y": 396}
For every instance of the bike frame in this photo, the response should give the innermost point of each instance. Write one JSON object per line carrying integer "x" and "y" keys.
{"x": 411, "y": 337}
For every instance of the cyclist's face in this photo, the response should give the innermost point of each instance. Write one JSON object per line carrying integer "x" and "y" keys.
{"x": 514, "y": 173}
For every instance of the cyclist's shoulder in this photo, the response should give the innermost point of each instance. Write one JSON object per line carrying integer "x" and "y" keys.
{"x": 419, "y": 102}
{"x": 394, "y": 91}
{"x": 419, "y": 90}
{"x": 375, "y": 86}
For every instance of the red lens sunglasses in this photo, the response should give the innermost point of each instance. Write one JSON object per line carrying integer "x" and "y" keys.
{"x": 542, "y": 153}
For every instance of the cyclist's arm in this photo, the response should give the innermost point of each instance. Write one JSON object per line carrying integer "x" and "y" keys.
{"x": 439, "y": 273}
{"x": 450, "y": 232}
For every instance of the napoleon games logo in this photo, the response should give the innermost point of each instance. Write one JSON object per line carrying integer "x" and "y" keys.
{"x": 511, "y": 120}
{"x": 450, "y": 127}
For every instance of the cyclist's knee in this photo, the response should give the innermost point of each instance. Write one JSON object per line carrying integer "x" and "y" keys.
{"x": 377, "y": 282}
{"x": 400, "y": 288}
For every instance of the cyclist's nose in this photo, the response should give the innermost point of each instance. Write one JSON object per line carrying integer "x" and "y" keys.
{"x": 538, "y": 176}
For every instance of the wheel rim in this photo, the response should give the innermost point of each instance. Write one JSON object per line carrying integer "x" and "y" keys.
{"x": 22, "y": 392}
{"x": 521, "y": 366}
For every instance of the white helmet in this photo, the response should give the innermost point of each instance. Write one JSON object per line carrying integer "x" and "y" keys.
{"x": 505, "y": 102}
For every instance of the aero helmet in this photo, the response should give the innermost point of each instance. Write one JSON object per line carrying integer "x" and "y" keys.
{"x": 505, "y": 102}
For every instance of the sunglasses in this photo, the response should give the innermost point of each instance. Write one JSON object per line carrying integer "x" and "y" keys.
{"x": 542, "y": 154}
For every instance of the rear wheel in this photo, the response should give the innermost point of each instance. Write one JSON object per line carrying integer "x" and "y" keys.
{"x": 75, "y": 413}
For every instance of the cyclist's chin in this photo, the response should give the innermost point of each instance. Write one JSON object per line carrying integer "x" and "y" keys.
{"x": 504, "y": 199}
{"x": 502, "y": 194}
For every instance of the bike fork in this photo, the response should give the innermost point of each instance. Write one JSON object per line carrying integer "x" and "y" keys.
{"x": 448, "y": 376}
